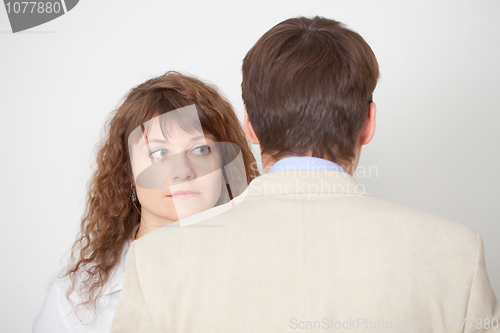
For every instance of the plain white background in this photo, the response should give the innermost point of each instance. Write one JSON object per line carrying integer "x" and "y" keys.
{"x": 435, "y": 147}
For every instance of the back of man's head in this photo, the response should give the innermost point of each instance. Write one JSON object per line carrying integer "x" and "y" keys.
{"x": 307, "y": 85}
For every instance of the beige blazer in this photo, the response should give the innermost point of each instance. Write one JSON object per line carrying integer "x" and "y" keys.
{"x": 309, "y": 251}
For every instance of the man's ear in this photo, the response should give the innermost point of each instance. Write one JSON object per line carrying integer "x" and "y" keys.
{"x": 369, "y": 127}
{"x": 250, "y": 134}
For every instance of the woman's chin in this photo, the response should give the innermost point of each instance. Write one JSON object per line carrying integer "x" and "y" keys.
{"x": 188, "y": 211}
{"x": 187, "y": 207}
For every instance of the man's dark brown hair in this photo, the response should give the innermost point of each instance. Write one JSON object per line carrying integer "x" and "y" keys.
{"x": 307, "y": 84}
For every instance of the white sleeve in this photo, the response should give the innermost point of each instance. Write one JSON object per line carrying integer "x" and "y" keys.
{"x": 50, "y": 318}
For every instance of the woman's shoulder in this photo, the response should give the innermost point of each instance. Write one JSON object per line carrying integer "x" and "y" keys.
{"x": 52, "y": 316}
{"x": 61, "y": 310}
{"x": 76, "y": 280}
{"x": 64, "y": 312}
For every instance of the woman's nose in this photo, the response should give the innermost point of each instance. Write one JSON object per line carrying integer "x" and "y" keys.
{"x": 180, "y": 169}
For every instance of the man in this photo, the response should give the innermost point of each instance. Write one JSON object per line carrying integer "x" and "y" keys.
{"x": 307, "y": 248}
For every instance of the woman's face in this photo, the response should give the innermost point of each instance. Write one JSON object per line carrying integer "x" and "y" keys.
{"x": 176, "y": 176}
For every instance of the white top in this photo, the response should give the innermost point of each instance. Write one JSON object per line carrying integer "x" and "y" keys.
{"x": 58, "y": 316}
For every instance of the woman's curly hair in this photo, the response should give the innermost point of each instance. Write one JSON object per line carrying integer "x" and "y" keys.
{"x": 110, "y": 218}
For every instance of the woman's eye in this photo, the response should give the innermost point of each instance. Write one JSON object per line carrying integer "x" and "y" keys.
{"x": 160, "y": 153}
{"x": 202, "y": 150}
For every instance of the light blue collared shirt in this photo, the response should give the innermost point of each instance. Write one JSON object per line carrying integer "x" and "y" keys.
{"x": 305, "y": 163}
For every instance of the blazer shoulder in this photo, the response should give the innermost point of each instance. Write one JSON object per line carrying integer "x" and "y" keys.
{"x": 422, "y": 219}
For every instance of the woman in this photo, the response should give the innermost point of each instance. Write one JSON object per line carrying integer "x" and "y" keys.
{"x": 153, "y": 168}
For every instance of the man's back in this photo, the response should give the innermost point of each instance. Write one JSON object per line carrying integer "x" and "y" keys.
{"x": 308, "y": 250}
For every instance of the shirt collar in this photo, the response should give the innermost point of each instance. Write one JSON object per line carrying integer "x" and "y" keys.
{"x": 305, "y": 163}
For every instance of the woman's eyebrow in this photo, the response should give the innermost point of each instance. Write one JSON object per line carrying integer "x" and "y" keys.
{"x": 157, "y": 140}
{"x": 197, "y": 137}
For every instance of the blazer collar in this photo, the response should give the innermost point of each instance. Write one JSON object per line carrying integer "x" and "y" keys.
{"x": 308, "y": 182}
{"x": 289, "y": 182}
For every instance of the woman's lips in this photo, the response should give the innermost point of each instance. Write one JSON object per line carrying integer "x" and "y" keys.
{"x": 183, "y": 194}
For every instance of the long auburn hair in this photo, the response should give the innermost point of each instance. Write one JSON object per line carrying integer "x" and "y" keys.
{"x": 110, "y": 217}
